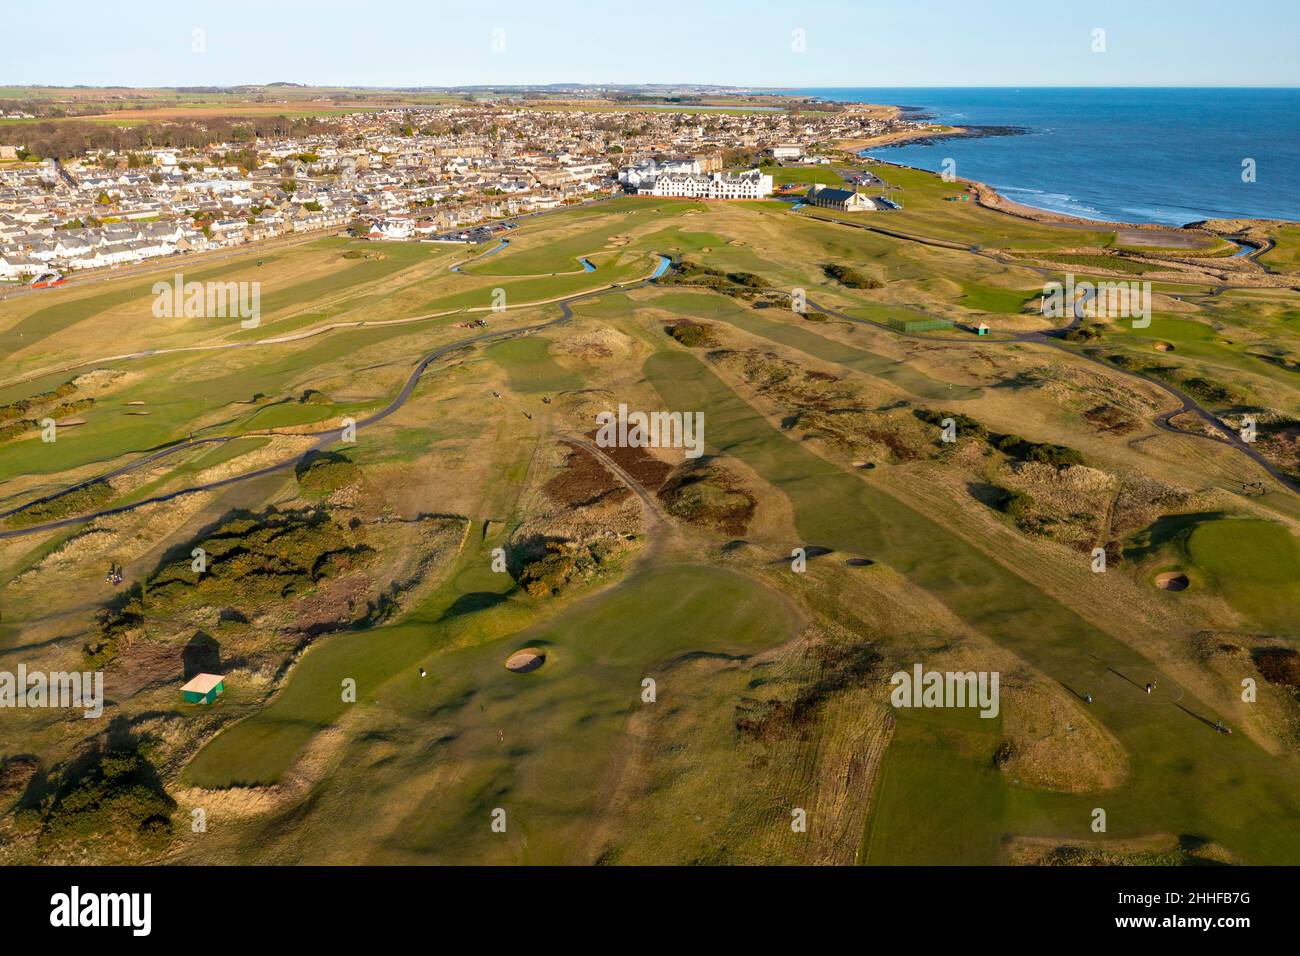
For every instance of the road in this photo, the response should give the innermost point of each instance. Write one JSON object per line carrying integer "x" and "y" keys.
{"x": 1186, "y": 405}
{"x": 323, "y": 439}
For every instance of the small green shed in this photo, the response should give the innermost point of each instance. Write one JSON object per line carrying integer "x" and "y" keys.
{"x": 203, "y": 689}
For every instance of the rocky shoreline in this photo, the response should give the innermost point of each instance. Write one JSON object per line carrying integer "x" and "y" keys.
{"x": 964, "y": 132}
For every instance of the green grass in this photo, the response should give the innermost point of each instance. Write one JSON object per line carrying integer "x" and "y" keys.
{"x": 180, "y": 389}
{"x": 63, "y": 314}
{"x": 1285, "y": 255}
{"x": 678, "y": 240}
{"x": 926, "y": 213}
{"x": 528, "y": 363}
{"x": 925, "y": 826}
{"x": 785, "y": 175}
{"x": 986, "y": 298}
{"x": 562, "y": 724}
{"x": 1109, "y": 263}
{"x": 520, "y": 292}
{"x": 390, "y": 258}
{"x": 1191, "y": 778}
{"x": 1223, "y": 354}
{"x": 1255, "y": 565}
{"x": 598, "y": 650}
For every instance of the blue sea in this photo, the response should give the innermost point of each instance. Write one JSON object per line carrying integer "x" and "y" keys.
{"x": 1169, "y": 156}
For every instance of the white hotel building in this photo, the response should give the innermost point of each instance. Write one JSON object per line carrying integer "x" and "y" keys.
{"x": 750, "y": 184}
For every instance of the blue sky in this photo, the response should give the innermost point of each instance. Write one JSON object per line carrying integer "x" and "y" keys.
{"x": 436, "y": 43}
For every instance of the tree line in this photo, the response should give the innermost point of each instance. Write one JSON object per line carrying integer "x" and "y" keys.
{"x": 66, "y": 139}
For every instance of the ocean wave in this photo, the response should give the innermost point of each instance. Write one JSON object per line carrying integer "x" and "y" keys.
{"x": 1041, "y": 194}
{"x": 1052, "y": 202}
{"x": 1157, "y": 214}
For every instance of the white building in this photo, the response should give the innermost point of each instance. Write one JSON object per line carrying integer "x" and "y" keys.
{"x": 643, "y": 172}
{"x": 750, "y": 184}
{"x": 846, "y": 200}
{"x": 14, "y": 267}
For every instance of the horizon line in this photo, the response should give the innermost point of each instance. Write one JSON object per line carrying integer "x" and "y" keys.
{"x": 737, "y": 87}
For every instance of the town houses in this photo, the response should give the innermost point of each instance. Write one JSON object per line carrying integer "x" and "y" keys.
{"x": 399, "y": 174}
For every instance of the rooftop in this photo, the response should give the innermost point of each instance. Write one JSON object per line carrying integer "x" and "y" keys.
{"x": 202, "y": 683}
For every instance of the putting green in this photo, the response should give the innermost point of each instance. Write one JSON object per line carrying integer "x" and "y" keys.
{"x": 1255, "y": 565}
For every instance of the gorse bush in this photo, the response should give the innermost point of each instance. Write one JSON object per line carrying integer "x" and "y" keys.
{"x": 741, "y": 284}
{"x": 87, "y": 498}
{"x": 692, "y": 334}
{"x": 113, "y": 798}
{"x": 256, "y": 559}
{"x": 1013, "y": 446}
{"x": 967, "y": 427}
{"x": 850, "y": 277}
{"x": 249, "y": 562}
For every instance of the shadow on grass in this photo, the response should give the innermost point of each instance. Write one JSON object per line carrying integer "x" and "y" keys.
{"x": 1167, "y": 531}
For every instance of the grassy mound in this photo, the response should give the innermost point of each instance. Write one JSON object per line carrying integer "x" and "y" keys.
{"x": 324, "y": 472}
{"x": 706, "y": 495}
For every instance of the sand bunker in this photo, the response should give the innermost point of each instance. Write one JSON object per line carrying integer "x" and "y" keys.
{"x": 528, "y": 659}
{"x": 1172, "y": 581}
{"x": 859, "y": 562}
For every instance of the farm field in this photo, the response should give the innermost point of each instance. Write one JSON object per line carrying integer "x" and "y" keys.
{"x": 385, "y": 514}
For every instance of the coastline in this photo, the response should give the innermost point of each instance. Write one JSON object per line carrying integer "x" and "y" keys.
{"x": 989, "y": 198}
